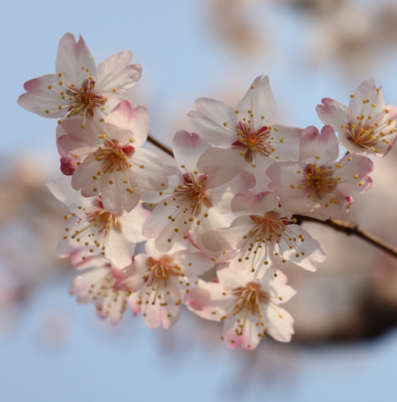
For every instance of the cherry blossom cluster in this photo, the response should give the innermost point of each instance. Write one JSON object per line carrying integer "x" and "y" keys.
{"x": 224, "y": 211}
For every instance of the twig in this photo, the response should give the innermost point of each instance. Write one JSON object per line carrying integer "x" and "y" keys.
{"x": 338, "y": 225}
{"x": 351, "y": 229}
{"x": 158, "y": 144}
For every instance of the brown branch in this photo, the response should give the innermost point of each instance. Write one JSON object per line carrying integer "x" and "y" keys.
{"x": 351, "y": 229}
{"x": 340, "y": 226}
{"x": 160, "y": 145}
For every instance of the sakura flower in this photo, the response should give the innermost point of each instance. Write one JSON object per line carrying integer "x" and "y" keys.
{"x": 96, "y": 286}
{"x": 160, "y": 282}
{"x": 79, "y": 88}
{"x": 248, "y": 307}
{"x": 265, "y": 235}
{"x": 247, "y": 141}
{"x": 112, "y": 162}
{"x": 194, "y": 199}
{"x": 95, "y": 231}
{"x": 367, "y": 126}
{"x": 317, "y": 185}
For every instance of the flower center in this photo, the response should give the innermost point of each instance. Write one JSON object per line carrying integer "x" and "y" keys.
{"x": 114, "y": 156}
{"x": 268, "y": 232}
{"x": 84, "y": 99}
{"x": 319, "y": 181}
{"x": 251, "y": 139}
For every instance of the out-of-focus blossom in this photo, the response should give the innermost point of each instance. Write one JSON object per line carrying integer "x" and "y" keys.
{"x": 317, "y": 185}
{"x": 194, "y": 201}
{"x": 112, "y": 160}
{"x": 159, "y": 282}
{"x": 96, "y": 285}
{"x": 248, "y": 307}
{"x": 246, "y": 141}
{"x": 96, "y": 231}
{"x": 265, "y": 235}
{"x": 79, "y": 88}
{"x": 367, "y": 126}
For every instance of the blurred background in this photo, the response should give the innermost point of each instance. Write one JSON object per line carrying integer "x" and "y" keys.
{"x": 52, "y": 349}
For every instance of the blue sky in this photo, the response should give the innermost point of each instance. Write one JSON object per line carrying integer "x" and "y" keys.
{"x": 181, "y": 61}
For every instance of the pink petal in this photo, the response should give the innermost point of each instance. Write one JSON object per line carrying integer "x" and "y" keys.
{"x": 321, "y": 149}
{"x": 71, "y": 57}
{"x": 366, "y": 91}
{"x": 333, "y": 113}
{"x": 281, "y": 329}
{"x": 284, "y": 175}
{"x": 131, "y": 223}
{"x": 115, "y": 194}
{"x": 227, "y": 238}
{"x": 127, "y": 117}
{"x": 187, "y": 149}
{"x": 119, "y": 250}
{"x": 259, "y": 101}
{"x": 43, "y": 94}
{"x": 83, "y": 177}
{"x": 148, "y": 170}
{"x": 221, "y": 165}
{"x": 209, "y": 121}
{"x": 116, "y": 72}
{"x": 221, "y": 197}
{"x": 254, "y": 205}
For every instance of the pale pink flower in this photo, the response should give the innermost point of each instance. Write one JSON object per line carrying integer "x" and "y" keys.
{"x": 367, "y": 126}
{"x": 317, "y": 185}
{"x": 266, "y": 236}
{"x": 112, "y": 162}
{"x": 194, "y": 200}
{"x": 248, "y": 307}
{"x": 96, "y": 231}
{"x": 96, "y": 286}
{"x": 246, "y": 139}
{"x": 79, "y": 88}
{"x": 159, "y": 282}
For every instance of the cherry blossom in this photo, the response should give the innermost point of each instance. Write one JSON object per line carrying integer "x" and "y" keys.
{"x": 96, "y": 285}
{"x": 112, "y": 162}
{"x": 194, "y": 200}
{"x": 159, "y": 282}
{"x": 248, "y": 307}
{"x": 266, "y": 235}
{"x": 245, "y": 138}
{"x": 94, "y": 230}
{"x": 317, "y": 185}
{"x": 367, "y": 126}
{"x": 79, "y": 88}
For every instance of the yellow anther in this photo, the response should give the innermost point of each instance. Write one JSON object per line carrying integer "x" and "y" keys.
{"x": 114, "y": 89}
{"x": 49, "y": 86}
{"x": 281, "y": 140}
{"x": 60, "y": 83}
{"x": 142, "y": 166}
{"x": 47, "y": 111}
{"x": 352, "y": 96}
{"x": 102, "y": 135}
{"x": 356, "y": 176}
{"x": 292, "y": 186}
{"x": 94, "y": 190}
{"x": 360, "y": 184}
{"x": 225, "y": 124}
